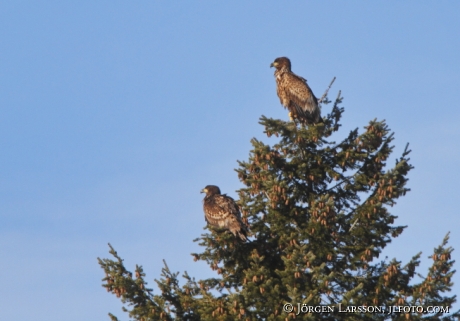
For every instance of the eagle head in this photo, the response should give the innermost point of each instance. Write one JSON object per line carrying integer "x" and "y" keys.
{"x": 281, "y": 62}
{"x": 211, "y": 190}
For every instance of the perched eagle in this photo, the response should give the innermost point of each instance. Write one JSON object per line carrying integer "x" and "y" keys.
{"x": 295, "y": 94}
{"x": 221, "y": 211}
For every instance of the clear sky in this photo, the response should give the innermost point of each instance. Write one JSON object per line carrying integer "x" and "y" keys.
{"x": 115, "y": 114}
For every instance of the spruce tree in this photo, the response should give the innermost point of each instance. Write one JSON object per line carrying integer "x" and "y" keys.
{"x": 319, "y": 216}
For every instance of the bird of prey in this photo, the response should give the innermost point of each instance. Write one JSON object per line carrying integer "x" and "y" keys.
{"x": 221, "y": 211}
{"x": 295, "y": 94}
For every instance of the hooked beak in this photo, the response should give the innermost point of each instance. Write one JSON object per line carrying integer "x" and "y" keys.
{"x": 203, "y": 190}
{"x": 273, "y": 64}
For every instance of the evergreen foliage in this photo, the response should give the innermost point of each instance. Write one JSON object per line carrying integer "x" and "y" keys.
{"x": 319, "y": 217}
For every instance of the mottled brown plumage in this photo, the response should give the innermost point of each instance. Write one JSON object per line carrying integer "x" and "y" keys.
{"x": 221, "y": 211}
{"x": 295, "y": 94}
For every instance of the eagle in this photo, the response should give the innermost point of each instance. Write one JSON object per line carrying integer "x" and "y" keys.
{"x": 221, "y": 211}
{"x": 295, "y": 94}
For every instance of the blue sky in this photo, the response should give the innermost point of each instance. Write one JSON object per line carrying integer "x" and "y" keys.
{"x": 114, "y": 115}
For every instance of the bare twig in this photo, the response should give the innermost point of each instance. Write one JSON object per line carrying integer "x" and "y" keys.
{"x": 345, "y": 179}
{"x": 325, "y": 93}
{"x": 353, "y": 225}
{"x": 266, "y": 194}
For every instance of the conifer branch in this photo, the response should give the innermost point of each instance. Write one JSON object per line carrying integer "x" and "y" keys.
{"x": 345, "y": 180}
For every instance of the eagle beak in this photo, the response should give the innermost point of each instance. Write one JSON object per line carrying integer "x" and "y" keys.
{"x": 203, "y": 190}
{"x": 272, "y": 64}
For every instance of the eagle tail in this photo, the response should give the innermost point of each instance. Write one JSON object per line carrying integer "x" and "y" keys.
{"x": 242, "y": 234}
{"x": 312, "y": 118}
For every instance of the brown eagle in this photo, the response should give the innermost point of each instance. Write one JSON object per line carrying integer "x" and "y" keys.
{"x": 295, "y": 94}
{"x": 221, "y": 211}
